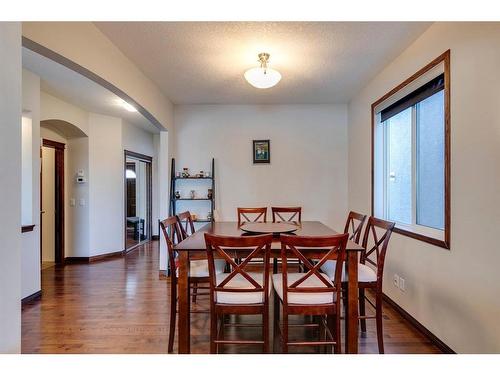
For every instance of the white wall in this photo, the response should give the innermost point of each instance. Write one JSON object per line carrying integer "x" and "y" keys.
{"x": 308, "y": 157}
{"x": 10, "y": 182}
{"x": 76, "y": 156}
{"x": 98, "y": 54}
{"x": 106, "y": 183}
{"x": 453, "y": 293}
{"x": 30, "y": 256}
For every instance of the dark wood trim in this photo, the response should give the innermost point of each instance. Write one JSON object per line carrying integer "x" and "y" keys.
{"x": 54, "y": 56}
{"x": 423, "y": 238}
{"x": 31, "y": 297}
{"x": 155, "y": 237}
{"x": 149, "y": 194}
{"x": 27, "y": 228}
{"x": 95, "y": 258}
{"x": 59, "y": 225}
{"x": 53, "y": 144}
{"x": 421, "y": 328}
{"x": 443, "y": 58}
{"x": 137, "y": 155}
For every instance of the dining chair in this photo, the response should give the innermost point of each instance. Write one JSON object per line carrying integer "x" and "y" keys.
{"x": 251, "y": 215}
{"x": 354, "y": 225}
{"x": 287, "y": 214}
{"x": 198, "y": 270}
{"x": 186, "y": 226}
{"x": 311, "y": 293}
{"x": 238, "y": 292}
{"x": 370, "y": 272}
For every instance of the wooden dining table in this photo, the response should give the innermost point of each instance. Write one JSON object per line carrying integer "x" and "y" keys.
{"x": 193, "y": 248}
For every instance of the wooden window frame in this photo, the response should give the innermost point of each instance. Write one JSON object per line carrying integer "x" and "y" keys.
{"x": 445, "y": 59}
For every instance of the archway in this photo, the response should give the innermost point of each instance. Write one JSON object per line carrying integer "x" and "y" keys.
{"x": 58, "y": 140}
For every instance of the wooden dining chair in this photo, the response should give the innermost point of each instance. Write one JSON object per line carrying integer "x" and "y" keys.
{"x": 287, "y": 214}
{"x": 239, "y": 292}
{"x": 198, "y": 270}
{"x": 311, "y": 293}
{"x": 354, "y": 225}
{"x": 251, "y": 215}
{"x": 370, "y": 272}
{"x": 186, "y": 226}
{"x": 375, "y": 242}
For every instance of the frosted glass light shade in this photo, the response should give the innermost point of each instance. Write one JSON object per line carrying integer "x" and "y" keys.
{"x": 262, "y": 78}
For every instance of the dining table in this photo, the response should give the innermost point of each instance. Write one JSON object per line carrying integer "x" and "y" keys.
{"x": 193, "y": 248}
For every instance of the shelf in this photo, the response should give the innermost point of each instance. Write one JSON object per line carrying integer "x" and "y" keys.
{"x": 193, "y": 178}
{"x": 202, "y": 221}
{"x": 192, "y": 199}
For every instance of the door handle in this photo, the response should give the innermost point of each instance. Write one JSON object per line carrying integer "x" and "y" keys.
{"x": 42, "y": 212}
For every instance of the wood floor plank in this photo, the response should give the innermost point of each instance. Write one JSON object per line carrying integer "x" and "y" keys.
{"x": 120, "y": 305}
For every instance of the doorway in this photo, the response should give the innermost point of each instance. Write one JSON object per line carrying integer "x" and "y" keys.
{"x": 138, "y": 197}
{"x": 52, "y": 203}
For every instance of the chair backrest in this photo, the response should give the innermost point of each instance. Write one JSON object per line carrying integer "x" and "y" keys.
{"x": 251, "y": 215}
{"x": 375, "y": 242}
{"x": 223, "y": 247}
{"x": 186, "y": 225}
{"x": 172, "y": 235}
{"x": 287, "y": 214}
{"x": 331, "y": 248}
{"x": 354, "y": 225}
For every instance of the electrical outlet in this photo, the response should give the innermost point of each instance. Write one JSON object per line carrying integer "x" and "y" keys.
{"x": 402, "y": 284}
{"x": 396, "y": 280}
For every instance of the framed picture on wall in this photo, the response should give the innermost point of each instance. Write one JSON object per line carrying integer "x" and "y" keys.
{"x": 261, "y": 152}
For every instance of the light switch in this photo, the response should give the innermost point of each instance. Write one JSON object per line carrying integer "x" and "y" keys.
{"x": 72, "y": 202}
{"x": 81, "y": 202}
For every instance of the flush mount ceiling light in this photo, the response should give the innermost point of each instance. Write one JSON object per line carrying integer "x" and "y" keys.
{"x": 127, "y": 106}
{"x": 263, "y": 77}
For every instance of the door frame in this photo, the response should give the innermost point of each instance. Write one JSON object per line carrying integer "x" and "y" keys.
{"x": 59, "y": 227}
{"x": 149, "y": 195}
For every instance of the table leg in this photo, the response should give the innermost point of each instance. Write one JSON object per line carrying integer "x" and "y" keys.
{"x": 184, "y": 323}
{"x": 351, "y": 318}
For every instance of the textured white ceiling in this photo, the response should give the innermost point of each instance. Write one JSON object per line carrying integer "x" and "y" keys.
{"x": 66, "y": 84}
{"x": 204, "y": 62}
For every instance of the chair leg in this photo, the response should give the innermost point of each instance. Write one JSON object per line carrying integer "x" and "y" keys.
{"x": 265, "y": 329}
{"x": 213, "y": 332}
{"x": 173, "y": 312}
{"x": 284, "y": 333}
{"x": 276, "y": 320}
{"x": 380, "y": 332}
{"x": 195, "y": 291}
{"x": 362, "y": 309}
{"x": 334, "y": 328}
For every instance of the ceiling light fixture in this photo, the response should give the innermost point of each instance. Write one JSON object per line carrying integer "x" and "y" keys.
{"x": 127, "y": 106}
{"x": 263, "y": 77}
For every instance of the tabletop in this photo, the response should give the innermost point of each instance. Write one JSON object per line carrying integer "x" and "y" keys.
{"x": 229, "y": 228}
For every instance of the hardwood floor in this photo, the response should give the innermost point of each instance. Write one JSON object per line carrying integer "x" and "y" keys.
{"x": 121, "y": 306}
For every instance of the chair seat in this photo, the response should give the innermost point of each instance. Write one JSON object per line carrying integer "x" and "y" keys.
{"x": 199, "y": 268}
{"x": 319, "y": 298}
{"x": 240, "y": 282}
{"x": 365, "y": 273}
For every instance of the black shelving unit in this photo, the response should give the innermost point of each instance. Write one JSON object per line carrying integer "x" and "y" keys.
{"x": 173, "y": 189}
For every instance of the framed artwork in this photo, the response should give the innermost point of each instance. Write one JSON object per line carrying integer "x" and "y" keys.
{"x": 261, "y": 152}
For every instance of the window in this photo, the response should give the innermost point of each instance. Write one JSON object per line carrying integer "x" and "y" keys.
{"x": 410, "y": 155}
